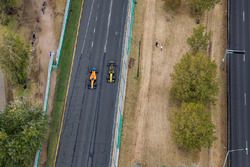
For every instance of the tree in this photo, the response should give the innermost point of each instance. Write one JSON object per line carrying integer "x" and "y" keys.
{"x": 192, "y": 127}
{"x": 194, "y": 79}
{"x": 14, "y": 57}
{"x": 198, "y": 7}
{"x": 199, "y": 40}
{"x": 22, "y": 130}
{"x": 173, "y": 4}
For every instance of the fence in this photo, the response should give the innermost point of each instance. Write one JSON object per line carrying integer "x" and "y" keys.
{"x": 53, "y": 65}
{"x": 117, "y": 130}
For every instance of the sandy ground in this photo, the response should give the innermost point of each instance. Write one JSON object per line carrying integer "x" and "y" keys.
{"x": 58, "y": 7}
{"x": 151, "y": 143}
{"x": 46, "y": 43}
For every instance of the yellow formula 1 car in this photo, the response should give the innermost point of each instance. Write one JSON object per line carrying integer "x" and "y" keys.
{"x": 92, "y": 78}
{"x": 111, "y": 72}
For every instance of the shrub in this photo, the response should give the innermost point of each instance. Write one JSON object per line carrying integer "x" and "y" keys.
{"x": 194, "y": 79}
{"x": 192, "y": 127}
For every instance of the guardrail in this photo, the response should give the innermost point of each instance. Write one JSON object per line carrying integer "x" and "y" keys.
{"x": 53, "y": 65}
{"x": 120, "y": 97}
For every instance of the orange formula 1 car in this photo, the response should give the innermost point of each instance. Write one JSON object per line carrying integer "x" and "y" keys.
{"x": 92, "y": 79}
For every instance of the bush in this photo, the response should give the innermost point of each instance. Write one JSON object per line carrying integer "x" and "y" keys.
{"x": 198, "y": 7}
{"x": 199, "y": 40}
{"x": 192, "y": 127}
{"x": 194, "y": 79}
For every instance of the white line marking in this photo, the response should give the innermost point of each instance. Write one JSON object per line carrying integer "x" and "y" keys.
{"x": 246, "y": 147}
{"x": 91, "y": 10}
{"x": 110, "y": 10}
{"x": 96, "y": 18}
{"x": 245, "y": 98}
{"x": 92, "y": 44}
{"x": 244, "y": 57}
{"x": 243, "y": 15}
{"x": 94, "y": 30}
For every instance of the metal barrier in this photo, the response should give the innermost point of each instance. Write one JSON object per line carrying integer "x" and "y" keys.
{"x": 120, "y": 98}
{"x": 50, "y": 68}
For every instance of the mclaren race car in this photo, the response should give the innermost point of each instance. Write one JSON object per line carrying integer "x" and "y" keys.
{"x": 92, "y": 78}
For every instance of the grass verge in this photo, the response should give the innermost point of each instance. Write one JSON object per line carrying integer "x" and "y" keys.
{"x": 63, "y": 75}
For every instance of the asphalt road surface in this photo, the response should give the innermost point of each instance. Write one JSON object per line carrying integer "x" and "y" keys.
{"x": 239, "y": 83}
{"x": 87, "y": 132}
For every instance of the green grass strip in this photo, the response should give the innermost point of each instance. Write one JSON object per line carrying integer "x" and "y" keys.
{"x": 63, "y": 79}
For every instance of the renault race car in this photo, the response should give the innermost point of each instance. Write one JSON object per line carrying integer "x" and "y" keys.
{"x": 92, "y": 78}
{"x": 111, "y": 76}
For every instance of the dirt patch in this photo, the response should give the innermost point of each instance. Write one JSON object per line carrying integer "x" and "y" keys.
{"x": 58, "y": 7}
{"x": 147, "y": 135}
{"x": 46, "y": 43}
